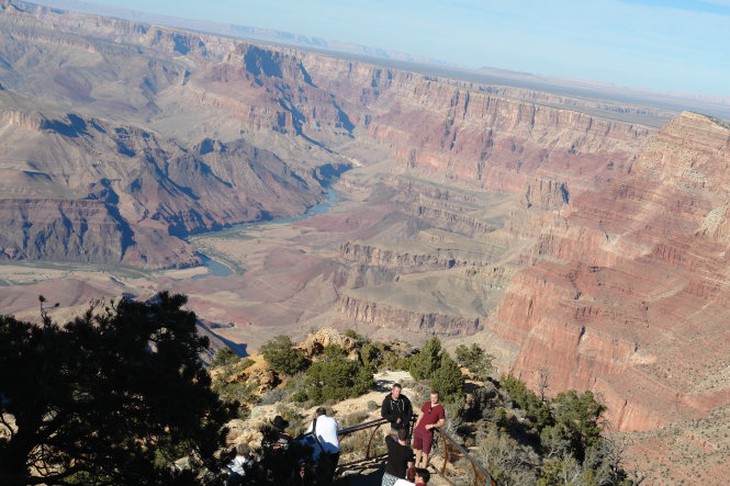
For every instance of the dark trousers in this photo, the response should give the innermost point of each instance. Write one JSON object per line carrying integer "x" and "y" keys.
{"x": 328, "y": 466}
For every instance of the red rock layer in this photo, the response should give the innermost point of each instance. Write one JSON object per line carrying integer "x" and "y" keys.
{"x": 627, "y": 295}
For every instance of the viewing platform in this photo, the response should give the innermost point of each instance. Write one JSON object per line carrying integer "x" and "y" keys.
{"x": 363, "y": 456}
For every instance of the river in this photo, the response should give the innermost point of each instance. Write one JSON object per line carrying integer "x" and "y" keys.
{"x": 218, "y": 268}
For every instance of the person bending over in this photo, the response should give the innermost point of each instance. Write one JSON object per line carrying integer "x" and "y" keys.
{"x": 400, "y": 458}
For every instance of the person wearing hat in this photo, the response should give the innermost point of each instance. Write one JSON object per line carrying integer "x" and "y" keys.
{"x": 277, "y": 451}
{"x": 280, "y": 423}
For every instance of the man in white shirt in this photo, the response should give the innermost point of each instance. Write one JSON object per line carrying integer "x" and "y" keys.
{"x": 325, "y": 430}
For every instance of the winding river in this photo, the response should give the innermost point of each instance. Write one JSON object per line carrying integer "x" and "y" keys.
{"x": 218, "y": 268}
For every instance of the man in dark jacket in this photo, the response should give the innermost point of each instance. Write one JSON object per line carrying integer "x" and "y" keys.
{"x": 397, "y": 409}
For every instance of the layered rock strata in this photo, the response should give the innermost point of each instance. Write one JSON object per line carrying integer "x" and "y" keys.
{"x": 590, "y": 248}
{"x": 627, "y": 295}
{"x": 430, "y": 323}
{"x": 82, "y": 190}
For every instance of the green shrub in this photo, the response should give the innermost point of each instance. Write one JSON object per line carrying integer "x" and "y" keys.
{"x": 371, "y": 356}
{"x": 576, "y": 417}
{"x": 282, "y": 357}
{"x": 428, "y": 359}
{"x": 336, "y": 377}
{"x": 359, "y": 339}
{"x": 447, "y": 379}
{"x": 475, "y": 359}
{"x": 223, "y": 357}
{"x": 537, "y": 411}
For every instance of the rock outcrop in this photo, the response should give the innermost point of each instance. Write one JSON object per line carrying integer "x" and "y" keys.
{"x": 383, "y": 315}
{"x": 314, "y": 344}
{"x": 373, "y": 256}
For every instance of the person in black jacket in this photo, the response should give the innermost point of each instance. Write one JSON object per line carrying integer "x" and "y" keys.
{"x": 396, "y": 409}
{"x": 400, "y": 458}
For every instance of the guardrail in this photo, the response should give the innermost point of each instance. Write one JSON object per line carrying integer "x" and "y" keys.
{"x": 481, "y": 477}
{"x": 451, "y": 449}
{"x": 369, "y": 455}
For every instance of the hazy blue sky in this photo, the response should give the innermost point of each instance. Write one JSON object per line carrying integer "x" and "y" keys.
{"x": 663, "y": 45}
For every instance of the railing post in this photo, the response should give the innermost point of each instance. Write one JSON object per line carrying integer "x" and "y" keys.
{"x": 370, "y": 441}
{"x": 480, "y": 473}
{"x": 446, "y": 456}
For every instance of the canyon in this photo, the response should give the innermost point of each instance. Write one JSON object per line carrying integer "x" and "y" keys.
{"x": 580, "y": 239}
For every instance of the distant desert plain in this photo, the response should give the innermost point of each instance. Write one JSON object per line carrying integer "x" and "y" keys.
{"x": 582, "y": 233}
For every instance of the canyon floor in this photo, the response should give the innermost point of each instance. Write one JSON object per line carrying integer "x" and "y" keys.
{"x": 287, "y": 277}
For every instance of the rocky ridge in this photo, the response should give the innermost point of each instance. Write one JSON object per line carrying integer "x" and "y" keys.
{"x": 88, "y": 191}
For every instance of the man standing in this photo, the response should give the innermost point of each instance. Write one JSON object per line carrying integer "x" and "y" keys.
{"x": 432, "y": 416}
{"x": 325, "y": 430}
{"x": 397, "y": 409}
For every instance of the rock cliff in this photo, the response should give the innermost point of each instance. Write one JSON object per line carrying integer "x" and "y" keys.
{"x": 487, "y": 140}
{"x": 412, "y": 322}
{"x": 627, "y": 291}
{"x": 84, "y": 190}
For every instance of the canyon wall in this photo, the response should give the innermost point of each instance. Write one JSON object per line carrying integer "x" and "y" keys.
{"x": 411, "y": 322}
{"x": 83, "y": 190}
{"x": 493, "y": 142}
{"x": 589, "y": 248}
{"x": 627, "y": 295}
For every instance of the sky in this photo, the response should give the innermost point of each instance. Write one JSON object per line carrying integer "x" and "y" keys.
{"x": 667, "y": 46}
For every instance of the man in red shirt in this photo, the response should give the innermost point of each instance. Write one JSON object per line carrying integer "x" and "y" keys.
{"x": 432, "y": 415}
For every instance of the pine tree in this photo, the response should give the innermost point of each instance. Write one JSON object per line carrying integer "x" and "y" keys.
{"x": 112, "y": 397}
{"x": 427, "y": 360}
{"x": 447, "y": 379}
{"x": 282, "y": 357}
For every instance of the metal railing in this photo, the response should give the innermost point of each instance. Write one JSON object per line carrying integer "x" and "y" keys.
{"x": 451, "y": 448}
{"x": 452, "y": 451}
{"x": 369, "y": 455}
